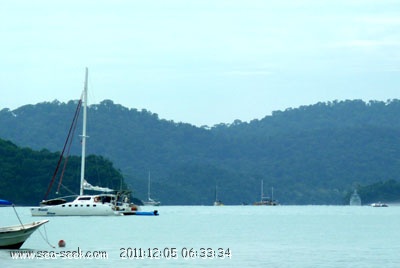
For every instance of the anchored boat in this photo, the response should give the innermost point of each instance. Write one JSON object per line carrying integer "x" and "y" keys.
{"x": 12, "y": 237}
{"x": 108, "y": 203}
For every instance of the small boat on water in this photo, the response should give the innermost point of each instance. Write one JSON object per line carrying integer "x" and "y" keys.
{"x": 355, "y": 199}
{"x": 266, "y": 201}
{"x": 217, "y": 202}
{"x": 150, "y": 201}
{"x": 379, "y": 205}
{"x": 12, "y": 237}
{"x": 140, "y": 213}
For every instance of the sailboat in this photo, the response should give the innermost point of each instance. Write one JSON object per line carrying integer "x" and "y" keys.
{"x": 355, "y": 199}
{"x": 106, "y": 203}
{"x": 217, "y": 202}
{"x": 150, "y": 201}
{"x": 266, "y": 201}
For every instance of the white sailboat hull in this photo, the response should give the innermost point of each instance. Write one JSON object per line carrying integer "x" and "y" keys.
{"x": 152, "y": 202}
{"x": 83, "y": 205}
{"x": 74, "y": 210}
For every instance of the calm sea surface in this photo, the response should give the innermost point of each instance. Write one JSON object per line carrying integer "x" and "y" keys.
{"x": 284, "y": 236}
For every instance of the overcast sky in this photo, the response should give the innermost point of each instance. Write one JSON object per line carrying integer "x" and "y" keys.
{"x": 202, "y": 62}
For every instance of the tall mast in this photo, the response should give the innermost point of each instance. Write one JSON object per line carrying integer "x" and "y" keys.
{"x": 84, "y": 100}
{"x": 262, "y": 189}
{"x": 272, "y": 193}
{"x": 216, "y": 194}
{"x": 148, "y": 188}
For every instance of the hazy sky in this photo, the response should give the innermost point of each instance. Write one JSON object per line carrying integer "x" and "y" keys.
{"x": 202, "y": 62}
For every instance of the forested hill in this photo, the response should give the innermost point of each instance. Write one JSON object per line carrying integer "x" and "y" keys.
{"x": 311, "y": 155}
{"x": 25, "y": 174}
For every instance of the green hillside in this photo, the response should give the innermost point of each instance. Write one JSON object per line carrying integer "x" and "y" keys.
{"x": 310, "y": 155}
{"x": 25, "y": 174}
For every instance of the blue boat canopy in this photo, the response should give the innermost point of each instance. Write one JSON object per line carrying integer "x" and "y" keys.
{"x": 5, "y": 202}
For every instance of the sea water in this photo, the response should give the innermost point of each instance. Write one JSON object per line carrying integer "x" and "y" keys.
{"x": 206, "y": 236}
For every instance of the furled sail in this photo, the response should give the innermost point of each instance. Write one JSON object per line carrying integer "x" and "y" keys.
{"x": 88, "y": 186}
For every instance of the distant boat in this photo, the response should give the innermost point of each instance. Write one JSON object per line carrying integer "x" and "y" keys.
{"x": 141, "y": 213}
{"x": 379, "y": 205}
{"x": 150, "y": 201}
{"x": 217, "y": 202}
{"x": 266, "y": 201}
{"x": 105, "y": 204}
{"x": 355, "y": 199}
{"x": 12, "y": 237}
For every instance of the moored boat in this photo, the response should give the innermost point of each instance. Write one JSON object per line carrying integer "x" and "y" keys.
{"x": 266, "y": 201}
{"x": 13, "y": 237}
{"x": 217, "y": 202}
{"x": 140, "y": 213}
{"x": 379, "y": 205}
{"x": 108, "y": 203}
{"x": 150, "y": 201}
{"x": 355, "y": 199}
